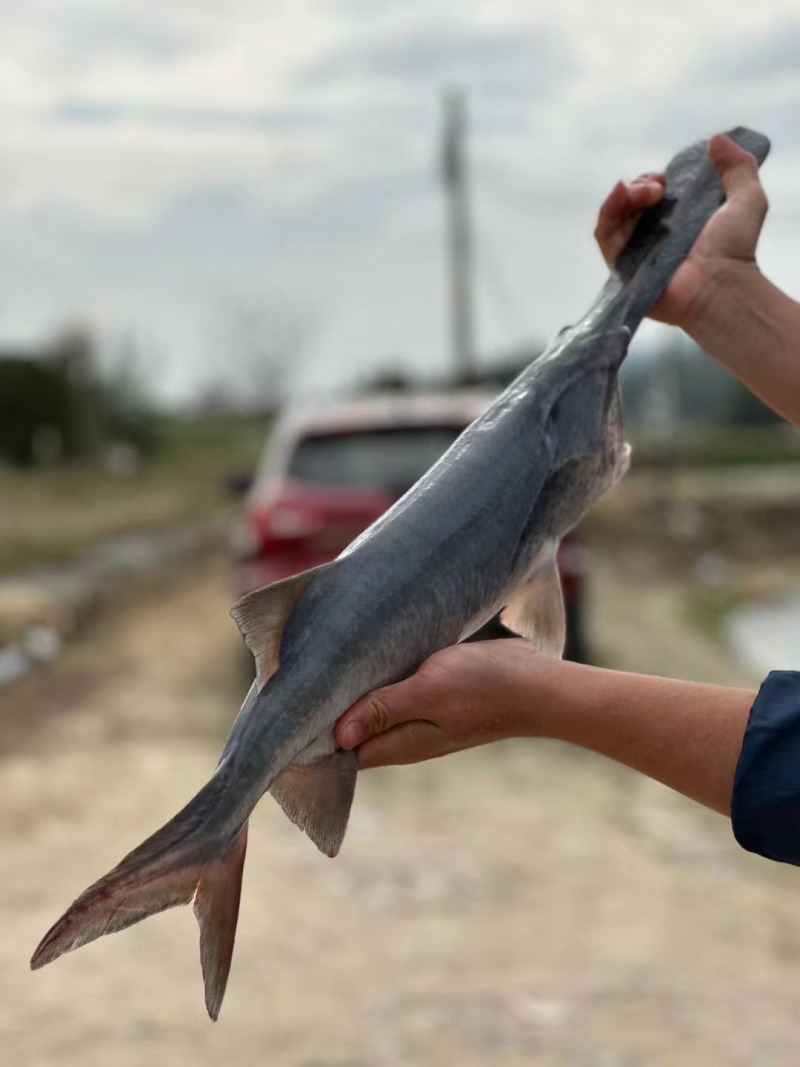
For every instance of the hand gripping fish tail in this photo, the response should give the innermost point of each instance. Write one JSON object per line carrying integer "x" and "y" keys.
{"x": 475, "y": 536}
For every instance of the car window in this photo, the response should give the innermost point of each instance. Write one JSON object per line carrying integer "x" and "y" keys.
{"x": 393, "y": 458}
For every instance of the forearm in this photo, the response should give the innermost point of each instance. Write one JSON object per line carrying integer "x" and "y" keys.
{"x": 683, "y": 734}
{"x": 753, "y": 329}
{"x": 686, "y": 735}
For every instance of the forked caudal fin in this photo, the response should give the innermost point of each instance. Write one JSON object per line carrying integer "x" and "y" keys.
{"x": 177, "y": 865}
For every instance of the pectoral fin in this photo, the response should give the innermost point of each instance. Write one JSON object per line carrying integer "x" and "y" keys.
{"x": 535, "y": 609}
{"x": 318, "y": 796}
{"x": 261, "y": 616}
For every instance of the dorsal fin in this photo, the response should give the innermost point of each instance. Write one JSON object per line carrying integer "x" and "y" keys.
{"x": 535, "y": 609}
{"x": 262, "y": 614}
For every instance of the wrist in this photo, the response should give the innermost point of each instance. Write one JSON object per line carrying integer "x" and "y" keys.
{"x": 578, "y": 700}
{"x": 722, "y": 288}
{"x": 549, "y": 694}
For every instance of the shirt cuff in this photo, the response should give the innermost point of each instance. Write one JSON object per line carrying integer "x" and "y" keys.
{"x": 765, "y": 806}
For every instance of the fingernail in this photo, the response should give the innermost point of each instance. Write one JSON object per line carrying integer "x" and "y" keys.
{"x": 352, "y": 735}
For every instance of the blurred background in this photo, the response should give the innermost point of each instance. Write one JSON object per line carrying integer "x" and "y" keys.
{"x": 259, "y": 265}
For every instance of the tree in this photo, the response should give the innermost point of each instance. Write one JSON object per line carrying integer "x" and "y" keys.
{"x": 258, "y": 343}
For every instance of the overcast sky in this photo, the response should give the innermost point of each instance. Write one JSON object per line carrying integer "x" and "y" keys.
{"x": 165, "y": 163}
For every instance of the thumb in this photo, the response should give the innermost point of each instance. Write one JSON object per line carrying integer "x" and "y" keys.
{"x": 372, "y": 714}
{"x": 737, "y": 169}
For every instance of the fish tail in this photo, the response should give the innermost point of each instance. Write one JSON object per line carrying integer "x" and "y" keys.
{"x": 181, "y": 863}
{"x": 216, "y": 906}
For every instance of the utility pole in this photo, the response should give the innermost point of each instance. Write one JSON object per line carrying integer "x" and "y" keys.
{"x": 459, "y": 237}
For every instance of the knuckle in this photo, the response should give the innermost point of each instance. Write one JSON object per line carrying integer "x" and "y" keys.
{"x": 438, "y": 667}
{"x": 379, "y": 714}
{"x": 753, "y": 196}
{"x": 603, "y": 230}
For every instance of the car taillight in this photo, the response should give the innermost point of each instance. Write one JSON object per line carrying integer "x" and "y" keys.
{"x": 288, "y": 520}
{"x": 245, "y": 541}
{"x": 571, "y": 559}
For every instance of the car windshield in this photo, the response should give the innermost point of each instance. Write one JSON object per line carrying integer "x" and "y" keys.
{"x": 394, "y": 457}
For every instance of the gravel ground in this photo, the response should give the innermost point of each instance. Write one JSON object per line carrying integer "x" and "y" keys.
{"x": 522, "y": 904}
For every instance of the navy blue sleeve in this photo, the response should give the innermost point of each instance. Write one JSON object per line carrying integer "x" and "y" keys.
{"x": 765, "y": 807}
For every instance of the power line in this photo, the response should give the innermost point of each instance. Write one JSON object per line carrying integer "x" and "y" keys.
{"x": 496, "y": 281}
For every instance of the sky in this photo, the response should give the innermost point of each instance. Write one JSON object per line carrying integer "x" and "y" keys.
{"x": 200, "y": 182}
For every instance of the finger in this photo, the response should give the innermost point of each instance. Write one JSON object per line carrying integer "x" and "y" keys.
{"x": 373, "y": 714}
{"x": 625, "y": 200}
{"x": 643, "y": 194}
{"x": 735, "y": 166}
{"x": 650, "y": 177}
{"x": 738, "y": 171}
{"x": 410, "y": 742}
{"x": 650, "y": 180}
{"x": 612, "y": 211}
{"x": 621, "y": 209}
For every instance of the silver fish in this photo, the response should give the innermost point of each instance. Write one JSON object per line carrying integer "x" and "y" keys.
{"x": 476, "y": 535}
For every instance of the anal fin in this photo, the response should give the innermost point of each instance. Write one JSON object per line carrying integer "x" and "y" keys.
{"x": 318, "y": 796}
{"x": 535, "y": 609}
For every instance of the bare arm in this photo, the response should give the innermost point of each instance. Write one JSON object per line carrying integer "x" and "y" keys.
{"x": 719, "y": 296}
{"x": 683, "y": 734}
{"x": 686, "y": 735}
{"x": 753, "y": 329}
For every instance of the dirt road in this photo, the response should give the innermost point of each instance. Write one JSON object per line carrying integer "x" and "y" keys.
{"x": 524, "y": 904}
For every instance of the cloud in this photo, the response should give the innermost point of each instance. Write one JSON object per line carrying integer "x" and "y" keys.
{"x": 160, "y": 156}
{"x": 148, "y": 35}
{"x": 94, "y": 112}
{"x": 767, "y": 57}
{"x": 500, "y": 63}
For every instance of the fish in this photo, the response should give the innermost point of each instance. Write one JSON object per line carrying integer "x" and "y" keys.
{"x": 477, "y": 535}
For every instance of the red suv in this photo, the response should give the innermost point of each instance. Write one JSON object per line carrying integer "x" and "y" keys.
{"x": 325, "y": 476}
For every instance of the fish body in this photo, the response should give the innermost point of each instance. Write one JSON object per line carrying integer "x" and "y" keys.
{"x": 476, "y": 535}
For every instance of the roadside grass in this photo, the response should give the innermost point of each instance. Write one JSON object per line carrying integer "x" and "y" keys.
{"x": 50, "y": 516}
{"x": 718, "y": 446}
{"x": 722, "y": 538}
{"x": 708, "y": 607}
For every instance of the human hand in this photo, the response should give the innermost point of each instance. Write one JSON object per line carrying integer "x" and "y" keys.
{"x": 462, "y": 696}
{"x": 727, "y": 243}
